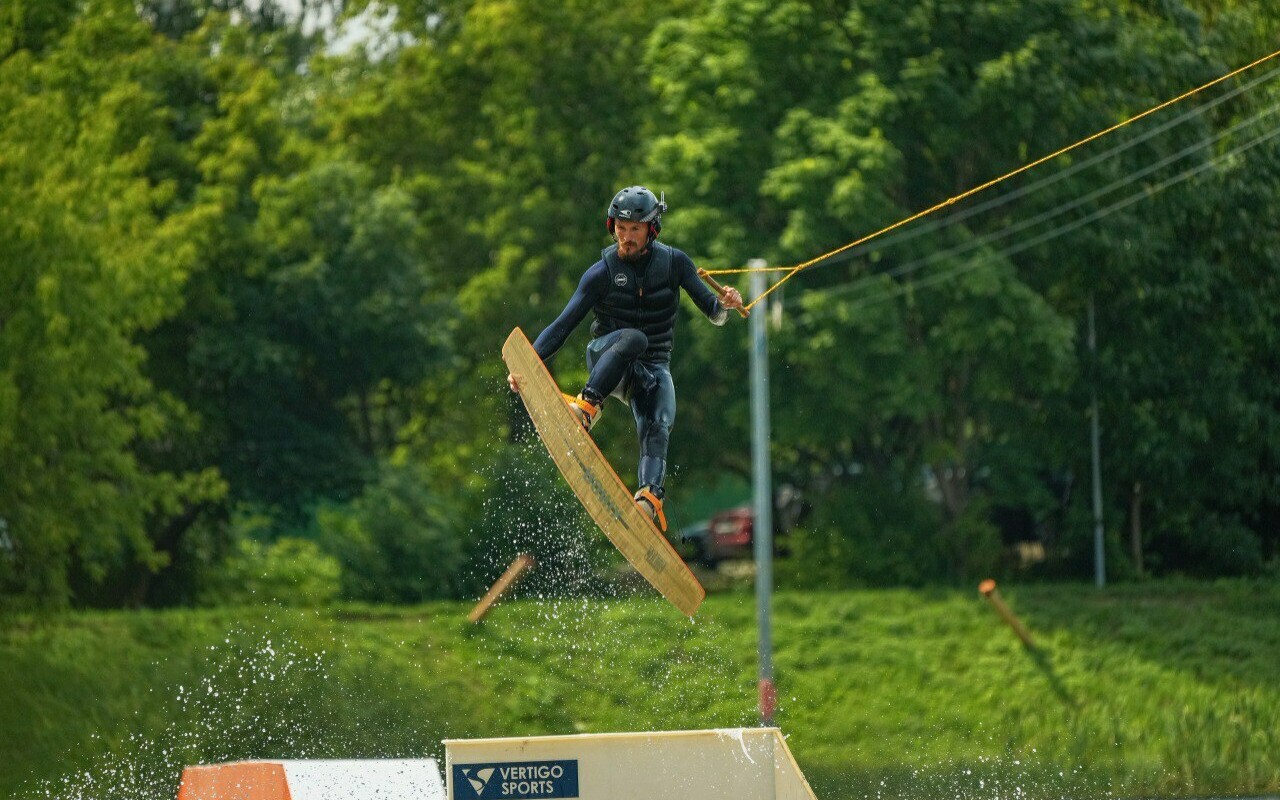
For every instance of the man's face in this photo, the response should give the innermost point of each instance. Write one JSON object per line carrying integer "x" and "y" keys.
{"x": 632, "y": 238}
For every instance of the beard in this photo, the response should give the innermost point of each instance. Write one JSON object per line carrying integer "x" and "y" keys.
{"x": 632, "y": 256}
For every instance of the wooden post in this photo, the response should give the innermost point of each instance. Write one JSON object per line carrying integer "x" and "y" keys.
{"x": 523, "y": 562}
{"x": 989, "y": 591}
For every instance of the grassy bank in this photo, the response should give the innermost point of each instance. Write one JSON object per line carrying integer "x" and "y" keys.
{"x": 1164, "y": 689}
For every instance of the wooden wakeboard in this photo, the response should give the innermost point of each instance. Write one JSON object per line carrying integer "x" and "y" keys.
{"x": 599, "y": 489}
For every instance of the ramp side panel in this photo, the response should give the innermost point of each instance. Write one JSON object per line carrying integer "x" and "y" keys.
{"x": 598, "y": 487}
{"x": 791, "y": 782}
{"x": 734, "y": 764}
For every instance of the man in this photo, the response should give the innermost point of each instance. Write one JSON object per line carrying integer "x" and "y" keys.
{"x": 634, "y": 290}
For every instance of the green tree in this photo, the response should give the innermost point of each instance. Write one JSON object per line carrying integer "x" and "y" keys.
{"x": 511, "y": 124}
{"x": 946, "y": 367}
{"x": 87, "y": 268}
{"x": 308, "y": 317}
{"x": 400, "y": 541}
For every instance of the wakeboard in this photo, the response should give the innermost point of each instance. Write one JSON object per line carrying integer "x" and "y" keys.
{"x": 595, "y": 483}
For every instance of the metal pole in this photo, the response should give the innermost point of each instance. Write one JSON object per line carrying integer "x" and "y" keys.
{"x": 762, "y": 525}
{"x": 1099, "y": 552}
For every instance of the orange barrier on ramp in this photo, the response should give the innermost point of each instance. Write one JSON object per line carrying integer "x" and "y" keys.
{"x": 247, "y": 780}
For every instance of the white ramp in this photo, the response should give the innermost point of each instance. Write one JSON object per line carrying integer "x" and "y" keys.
{"x": 729, "y": 764}
{"x": 373, "y": 779}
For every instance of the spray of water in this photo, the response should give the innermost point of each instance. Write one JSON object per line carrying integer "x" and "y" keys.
{"x": 265, "y": 694}
{"x": 583, "y": 611}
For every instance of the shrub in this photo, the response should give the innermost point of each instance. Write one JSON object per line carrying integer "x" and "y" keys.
{"x": 400, "y": 542}
{"x": 289, "y": 571}
{"x": 867, "y": 532}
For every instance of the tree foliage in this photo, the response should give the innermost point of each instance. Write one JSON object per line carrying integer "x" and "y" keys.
{"x": 87, "y": 267}
{"x": 246, "y": 274}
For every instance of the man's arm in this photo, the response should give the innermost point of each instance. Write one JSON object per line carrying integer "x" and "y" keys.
{"x": 703, "y": 297}
{"x": 591, "y": 289}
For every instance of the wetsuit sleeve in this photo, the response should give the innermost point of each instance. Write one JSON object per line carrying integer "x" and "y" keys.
{"x": 591, "y": 289}
{"x": 705, "y": 299}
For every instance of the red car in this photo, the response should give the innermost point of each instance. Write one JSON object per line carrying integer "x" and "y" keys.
{"x": 729, "y": 534}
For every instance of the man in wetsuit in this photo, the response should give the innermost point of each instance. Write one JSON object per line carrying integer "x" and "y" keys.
{"x": 634, "y": 290}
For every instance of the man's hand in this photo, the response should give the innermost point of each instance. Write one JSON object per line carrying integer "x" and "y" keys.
{"x": 511, "y": 381}
{"x": 731, "y": 298}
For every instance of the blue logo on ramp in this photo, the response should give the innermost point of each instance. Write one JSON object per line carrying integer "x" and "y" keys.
{"x": 515, "y": 780}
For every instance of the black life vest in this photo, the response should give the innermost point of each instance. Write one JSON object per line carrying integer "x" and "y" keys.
{"x": 646, "y": 299}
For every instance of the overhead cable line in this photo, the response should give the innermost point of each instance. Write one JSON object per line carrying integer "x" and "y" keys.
{"x": 1049, "y": 180}
{"x": 1065, "y": 229}
{"x": 793, "y": 271}
{"x": 1071, "y": 205}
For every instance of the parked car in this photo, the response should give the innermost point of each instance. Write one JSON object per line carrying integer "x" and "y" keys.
{"x": 729, "y": 534}
{"x": 694, "y": 543}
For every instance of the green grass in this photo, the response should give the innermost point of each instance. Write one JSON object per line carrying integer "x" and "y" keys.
{"x": 1161, "y": 689}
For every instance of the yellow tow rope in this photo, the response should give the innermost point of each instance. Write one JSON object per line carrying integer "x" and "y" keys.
{"x": 793, "y": 271}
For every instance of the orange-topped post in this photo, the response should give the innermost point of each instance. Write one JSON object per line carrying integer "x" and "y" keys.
{"x": 989, "y": 591}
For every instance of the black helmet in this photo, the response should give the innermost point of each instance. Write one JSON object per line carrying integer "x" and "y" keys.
{"x": 637, "y": 204}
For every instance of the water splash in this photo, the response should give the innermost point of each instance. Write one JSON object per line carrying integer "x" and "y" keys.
{"x": 265, "y": 696}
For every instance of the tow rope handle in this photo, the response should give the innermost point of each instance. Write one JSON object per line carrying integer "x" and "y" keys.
{"x": 720, "y": 290}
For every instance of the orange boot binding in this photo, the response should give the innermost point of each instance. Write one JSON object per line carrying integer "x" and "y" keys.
{"x": 651, "y": 505}
{"x": 582, "y": 408}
